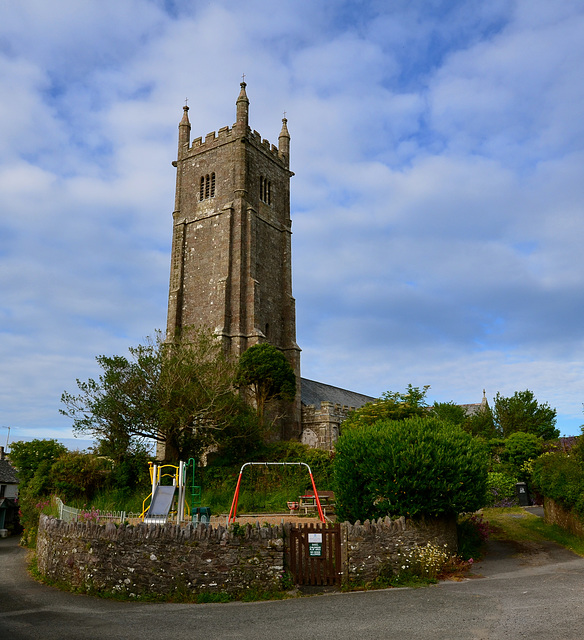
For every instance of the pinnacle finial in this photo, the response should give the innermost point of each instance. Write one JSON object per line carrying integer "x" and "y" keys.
{"x": 284, "y": 139}
{"x": 284, "y": 131}
{"x": 185, "y": 118}
{"x": 242, "y": 104}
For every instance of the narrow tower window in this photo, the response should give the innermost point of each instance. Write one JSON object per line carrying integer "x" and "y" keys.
{"x": 265, "y": 190}
{"x": 207, "y": 187}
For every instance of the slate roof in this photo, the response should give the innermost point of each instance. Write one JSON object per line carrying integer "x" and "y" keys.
{"x": 8, "y": 473}
{"x": 314, "y": 393}
{"x": 471, "y": 409}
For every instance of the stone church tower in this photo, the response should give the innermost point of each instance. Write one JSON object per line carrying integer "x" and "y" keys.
{"x": 231, "y": 246}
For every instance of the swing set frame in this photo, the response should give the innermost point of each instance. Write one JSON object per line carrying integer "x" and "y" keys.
{"x": 233, "y": 511}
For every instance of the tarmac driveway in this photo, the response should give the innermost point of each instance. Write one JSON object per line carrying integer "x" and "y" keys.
{"x": 533, "y": 591}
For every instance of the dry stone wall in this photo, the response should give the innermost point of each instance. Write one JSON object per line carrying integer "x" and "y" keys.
{"x": 160, "y": 559}
{"x": 372, "y": 548}
{"x": 556, "y": 514}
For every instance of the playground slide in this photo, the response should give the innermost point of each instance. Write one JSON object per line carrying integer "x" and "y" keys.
{"x": 160, "y": 505}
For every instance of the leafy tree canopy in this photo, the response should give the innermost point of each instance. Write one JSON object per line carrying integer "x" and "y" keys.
{"x": 266, "y": 372}
{"x": 392, "y": 405}
{"x": 28, "y": 457}
{"x": 482, "y": 424}
{"x": 522, "y": 412}
{"x": 178, "y": 393}
{"x": 519, "y": 448}
{"x": 449, "y": 412}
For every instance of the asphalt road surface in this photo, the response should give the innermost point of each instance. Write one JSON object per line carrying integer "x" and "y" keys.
{"x": 520, "y": 591}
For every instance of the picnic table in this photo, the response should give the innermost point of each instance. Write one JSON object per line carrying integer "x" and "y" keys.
{"x": 307, "y": 502}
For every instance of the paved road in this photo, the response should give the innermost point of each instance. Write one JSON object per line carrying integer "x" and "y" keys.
{"x": 530, "y": 591}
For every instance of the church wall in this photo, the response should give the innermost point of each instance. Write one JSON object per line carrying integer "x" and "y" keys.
{"x": 321, "y": 426}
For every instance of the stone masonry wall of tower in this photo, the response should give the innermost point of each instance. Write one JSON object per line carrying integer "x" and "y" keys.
{"x": 231, "y": 251}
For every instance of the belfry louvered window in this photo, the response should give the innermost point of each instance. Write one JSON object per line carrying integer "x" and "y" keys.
{"x": 265, "y": 190}
{"x": 207, "y": 186}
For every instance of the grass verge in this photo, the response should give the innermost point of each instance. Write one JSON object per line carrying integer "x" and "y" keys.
{"x": 515, "y": 523}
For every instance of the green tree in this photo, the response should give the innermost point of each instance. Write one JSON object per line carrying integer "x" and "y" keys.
{"x": 449, "y": 412}
{"x": 519, "y": 448}
{"x": 29, "y": 457}
{"x": 522, "y": 412}
{"x": 76, "y": 475}
{"x": 179, "y": 393}
{"x": 413, "y": 467}
{"x": 268, "y": 376}
{"x": 392, "y": 405}
{"x": 481, "y": 423}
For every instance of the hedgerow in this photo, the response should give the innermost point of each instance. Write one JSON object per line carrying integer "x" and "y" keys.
{"x": 413, "y": 467}
{"x": 560, "y": 476}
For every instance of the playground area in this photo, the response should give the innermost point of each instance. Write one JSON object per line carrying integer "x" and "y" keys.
{"x": 176, "y": 498}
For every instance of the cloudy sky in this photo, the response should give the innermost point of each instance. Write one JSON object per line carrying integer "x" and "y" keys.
{"x": 438, "y": 147}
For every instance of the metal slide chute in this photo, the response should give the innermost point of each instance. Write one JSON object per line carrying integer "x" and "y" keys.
{"x": 161, "y": 504}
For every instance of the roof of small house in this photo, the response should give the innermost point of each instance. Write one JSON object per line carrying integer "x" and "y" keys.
{"x": 313, "y": 393}
{"x": 8, "y": 474}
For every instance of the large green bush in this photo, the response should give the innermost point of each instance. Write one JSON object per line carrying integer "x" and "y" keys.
{"x": 519, "y": 448}
{"x": 413, "y": 467}
{"x": 501, "y": 489}
{"x": 560, "y": 476}
{"x": 76, "y": 475}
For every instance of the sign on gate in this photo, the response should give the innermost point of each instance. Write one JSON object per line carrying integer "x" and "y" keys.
{"x": 315, "y": 545}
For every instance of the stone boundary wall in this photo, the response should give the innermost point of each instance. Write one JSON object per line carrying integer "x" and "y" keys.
{"x": 556, "y": 514}
{"x": 372, "y": 547}
{"x": 160, "y": 559}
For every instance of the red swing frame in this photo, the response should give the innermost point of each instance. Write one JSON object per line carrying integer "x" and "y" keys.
{"x": 233, "y": 511}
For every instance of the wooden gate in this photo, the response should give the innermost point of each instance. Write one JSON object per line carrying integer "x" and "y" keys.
{"x": 315, "y": 554}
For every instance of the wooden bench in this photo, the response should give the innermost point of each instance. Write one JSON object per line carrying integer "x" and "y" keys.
{"x": 307, "y": 502}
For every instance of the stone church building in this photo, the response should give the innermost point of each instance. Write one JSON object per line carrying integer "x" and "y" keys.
{"x": 231, "y": 266}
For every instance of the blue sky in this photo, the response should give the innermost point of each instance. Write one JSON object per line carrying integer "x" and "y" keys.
{"x": 438, "y": 148}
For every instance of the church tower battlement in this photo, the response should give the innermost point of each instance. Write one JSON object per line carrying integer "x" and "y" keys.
{"x": 231, "y": 266}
